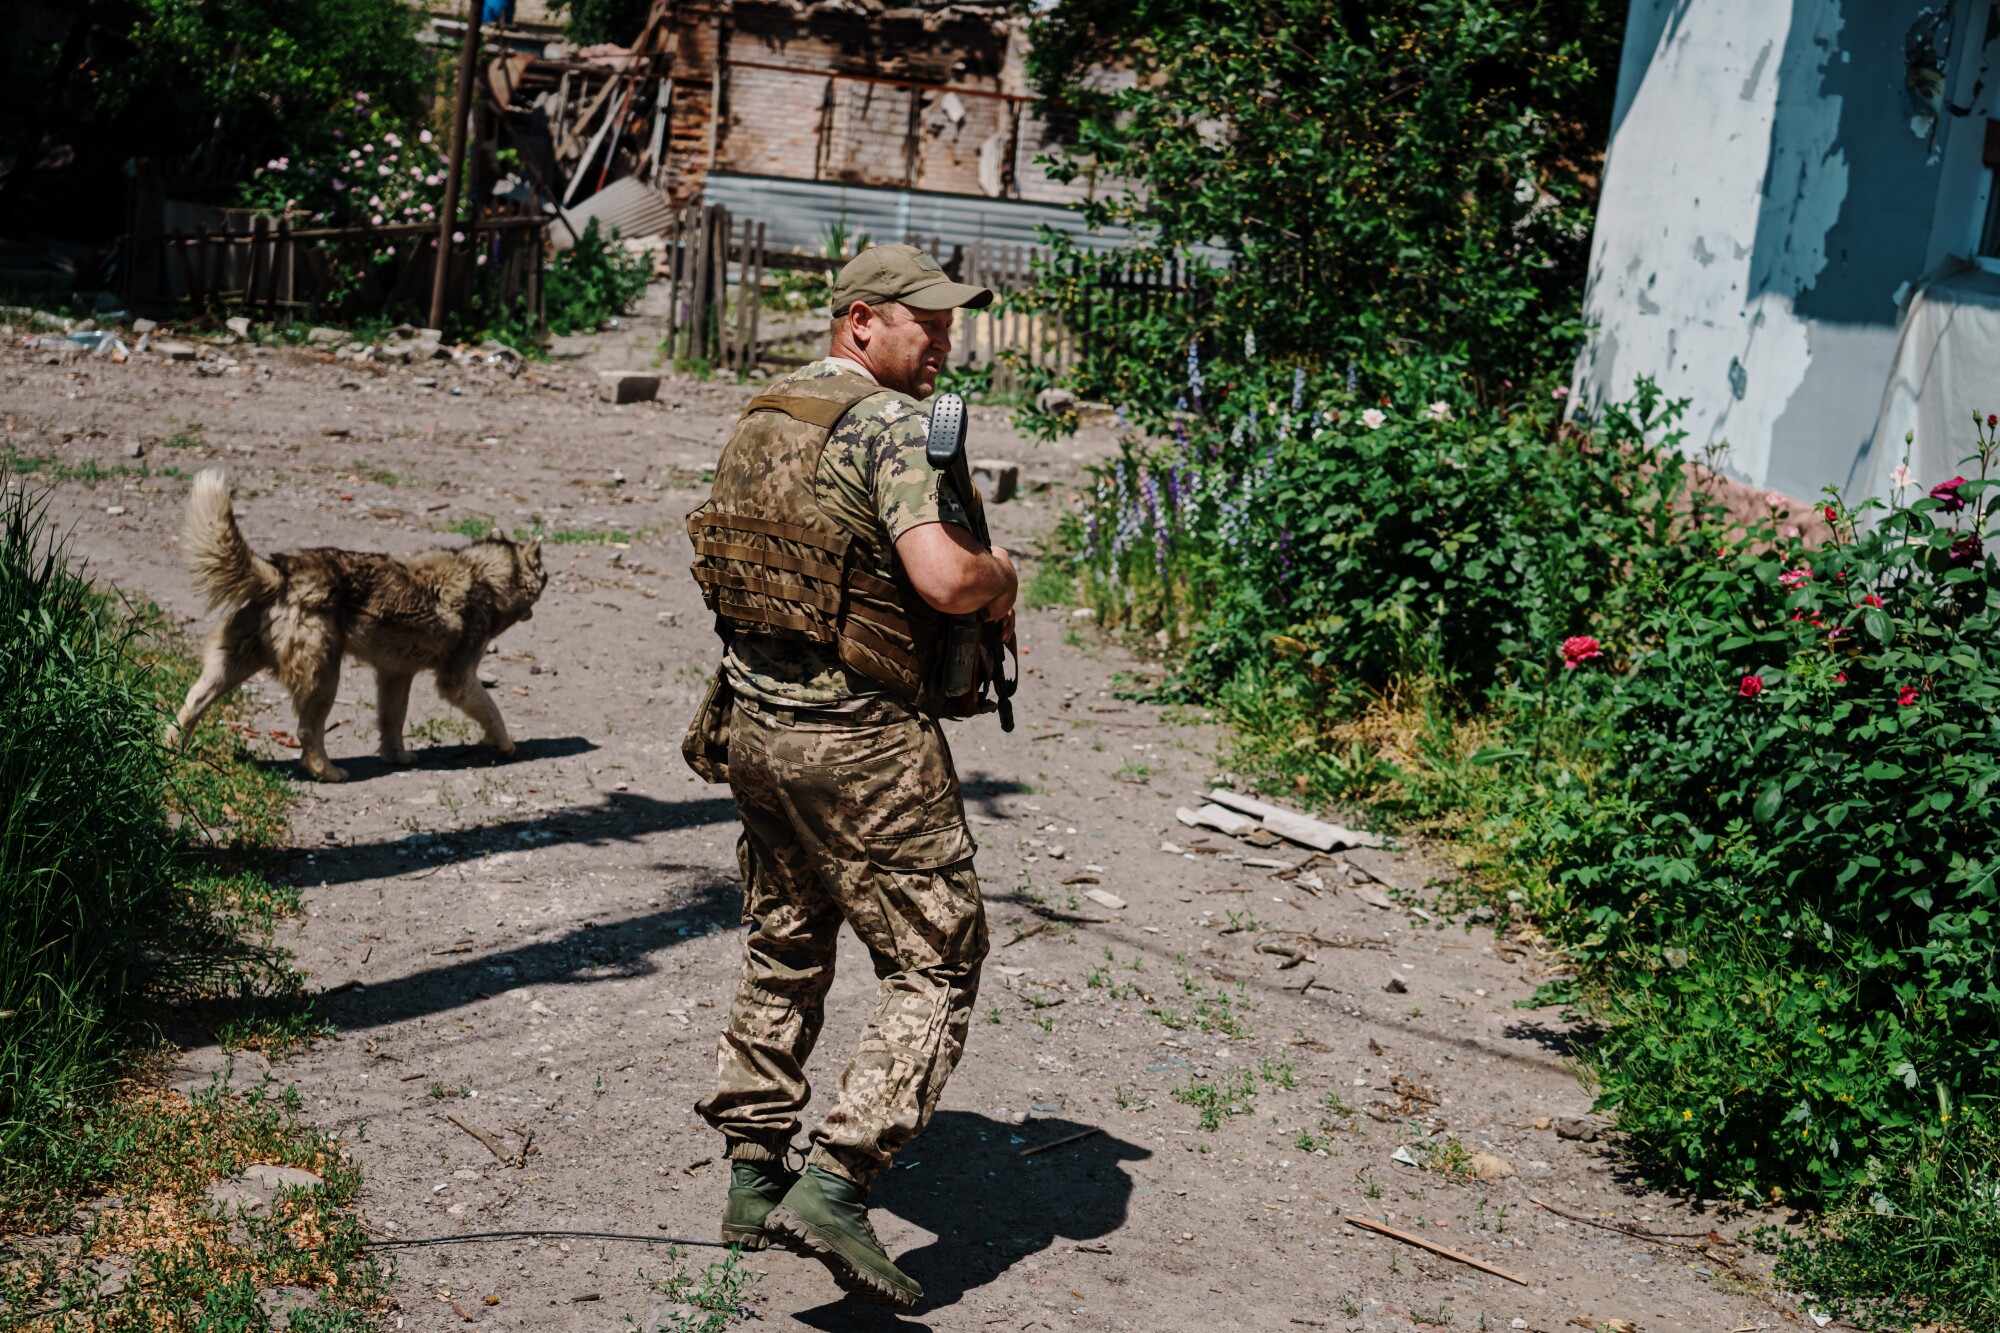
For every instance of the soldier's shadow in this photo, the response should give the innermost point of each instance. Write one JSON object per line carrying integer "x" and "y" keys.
{"x": 966, "y": 1182}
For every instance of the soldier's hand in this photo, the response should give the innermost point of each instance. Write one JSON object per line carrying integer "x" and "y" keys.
{"x": 1002, "y": 606}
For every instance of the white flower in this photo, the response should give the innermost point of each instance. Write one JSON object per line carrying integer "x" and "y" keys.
{"x": 1776, "y": 501}
{"x": 1900, "y": 477}
{"x": 1373, "y": 418}
{"x": 1439, "y": 411}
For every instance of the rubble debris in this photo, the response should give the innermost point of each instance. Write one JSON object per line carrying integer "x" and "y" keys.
{"x": 628, "y": 386}
{"x": 1221, "y": 819}
{"x": 998, "y": 480}
{"x": 1295, "y": 827}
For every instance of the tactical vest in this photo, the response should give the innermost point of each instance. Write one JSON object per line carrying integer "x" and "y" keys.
{"x": 771, "y": 561}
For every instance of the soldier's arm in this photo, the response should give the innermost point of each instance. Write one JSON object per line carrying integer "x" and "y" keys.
{"x": 954, "y": 573}
{"x": 946, "y": 564}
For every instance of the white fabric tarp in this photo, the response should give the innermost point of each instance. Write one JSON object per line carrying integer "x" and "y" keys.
{"x": 1946, "y": 373}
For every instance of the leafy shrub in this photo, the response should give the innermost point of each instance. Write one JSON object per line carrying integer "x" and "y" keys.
{"x": 1395, "y": 179}
{"x": 263, "y": 78}
{"x": 1784, "y": 886}
{"x": 1326, "y": 549}
{"x": 371, "y": 168}
{"x": 592, "y": 281}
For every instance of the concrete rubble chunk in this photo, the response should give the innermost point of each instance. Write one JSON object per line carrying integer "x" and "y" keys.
{"x": 281, "y": 1177}
{"x": 259, "y": 1183}
{"x": 175, "y": 351}
{"x": 1486, "y": 1166}
{"x": 140, "y": 327}
{"x": 1055, "y": 401}
{"x": 1576, "y": 1128}
{"x": 998, "y": 480}
{"x": 238, "y": 325}
{"x": 1218, "y": 818}
{"x": 325, "y": 337}
{"x": 1104, "y": 899}
{"x": 628, "y": 386}
{"x": 1295, "y": 827}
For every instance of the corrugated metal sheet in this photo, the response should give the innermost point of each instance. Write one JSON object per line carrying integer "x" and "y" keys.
{"x": 629, "y": 205}
{"x": 798, "y": 214}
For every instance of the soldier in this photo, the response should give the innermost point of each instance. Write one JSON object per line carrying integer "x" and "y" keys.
{"x": 835, "y": 557}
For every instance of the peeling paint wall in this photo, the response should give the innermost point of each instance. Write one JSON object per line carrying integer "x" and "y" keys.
{"x": 1769, "y": 195}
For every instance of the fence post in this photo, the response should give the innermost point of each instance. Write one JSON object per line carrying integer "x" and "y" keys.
{"x": 698, "y": 286}
{"x": 753, "y": 292}
{"x": 677, "y": 243}
{"x": 253, "y": 280}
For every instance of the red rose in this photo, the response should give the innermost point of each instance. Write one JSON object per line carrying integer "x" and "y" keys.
{"x": 1751, "y": 687}
{"x": 1947, "y": 496}
{"x": 1871, "y": 600}
{"x": 1906, "y": 696}
{"x": 1993, "y": 419}
{"x": 1965, "y": 551}
{"x": 1578, "y": 649}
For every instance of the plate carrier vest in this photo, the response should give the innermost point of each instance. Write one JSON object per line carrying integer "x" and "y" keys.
{"x": 771, "y": 561}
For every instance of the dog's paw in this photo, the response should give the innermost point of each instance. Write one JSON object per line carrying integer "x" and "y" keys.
{"x": 398, "y": 757}
{"x": 330, "y": 773}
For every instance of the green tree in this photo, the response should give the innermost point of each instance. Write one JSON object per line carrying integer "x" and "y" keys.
{"x": 1406, "y": 178}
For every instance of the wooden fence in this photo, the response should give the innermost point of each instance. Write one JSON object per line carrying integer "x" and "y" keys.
{"x": 717, "y": 266}
{"x": 262, "y": 264}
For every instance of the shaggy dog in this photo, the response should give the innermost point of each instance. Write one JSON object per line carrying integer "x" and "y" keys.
{"x": 298, "y": 612}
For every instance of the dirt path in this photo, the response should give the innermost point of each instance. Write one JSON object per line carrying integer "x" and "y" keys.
{"x": 557, "y": 936}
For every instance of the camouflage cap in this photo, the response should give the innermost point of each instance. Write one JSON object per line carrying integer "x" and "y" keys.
{"x": 906, "y": 274}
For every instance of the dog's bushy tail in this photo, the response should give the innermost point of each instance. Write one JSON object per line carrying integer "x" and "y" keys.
{"x": 227, "y": 572}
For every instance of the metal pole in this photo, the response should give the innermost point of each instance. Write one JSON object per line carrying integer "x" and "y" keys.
{"x": 461, "y": 111}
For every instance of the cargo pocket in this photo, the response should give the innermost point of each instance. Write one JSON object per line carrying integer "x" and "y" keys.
{"x": 932, "y": 849}
{"x": 706, "y": 745}
{"x": 923, "y": 887}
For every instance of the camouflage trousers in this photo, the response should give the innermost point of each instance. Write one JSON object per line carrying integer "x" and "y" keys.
{"x": 853, "y": 817}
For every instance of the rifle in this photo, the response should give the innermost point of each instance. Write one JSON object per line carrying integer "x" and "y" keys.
{"x": 945, "y": 447}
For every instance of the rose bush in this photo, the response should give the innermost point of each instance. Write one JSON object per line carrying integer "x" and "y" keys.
{"x": 1359, "y": 538}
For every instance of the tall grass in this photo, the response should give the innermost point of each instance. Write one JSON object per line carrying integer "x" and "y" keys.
{"x": 87, "y": 857}
{"x": 125, "y": 888}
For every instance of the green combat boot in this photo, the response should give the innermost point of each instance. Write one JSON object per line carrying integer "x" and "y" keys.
{"x": 754, "y": 1189}
{"x": 824, "y": 1217}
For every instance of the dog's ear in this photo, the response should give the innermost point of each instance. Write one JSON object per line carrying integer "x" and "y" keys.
{"x": 534, "y": 551}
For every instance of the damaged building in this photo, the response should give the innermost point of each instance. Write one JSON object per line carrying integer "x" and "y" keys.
{"x": 854, "y": 116}
{"x": 1799, "y": 233}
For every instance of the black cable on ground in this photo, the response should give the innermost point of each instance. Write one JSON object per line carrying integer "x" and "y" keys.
{"x": 474, "y": 1237}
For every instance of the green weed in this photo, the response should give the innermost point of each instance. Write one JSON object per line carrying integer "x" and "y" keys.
{"x": 1216, "y": 1100}
{"x": 710, "y": 1300}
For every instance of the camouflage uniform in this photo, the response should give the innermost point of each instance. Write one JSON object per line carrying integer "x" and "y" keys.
{"x": 851, "y": 811}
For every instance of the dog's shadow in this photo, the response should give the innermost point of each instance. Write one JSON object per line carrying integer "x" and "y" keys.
{"x": 368, "y": 766}
{"x": 965, "y": 1181}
